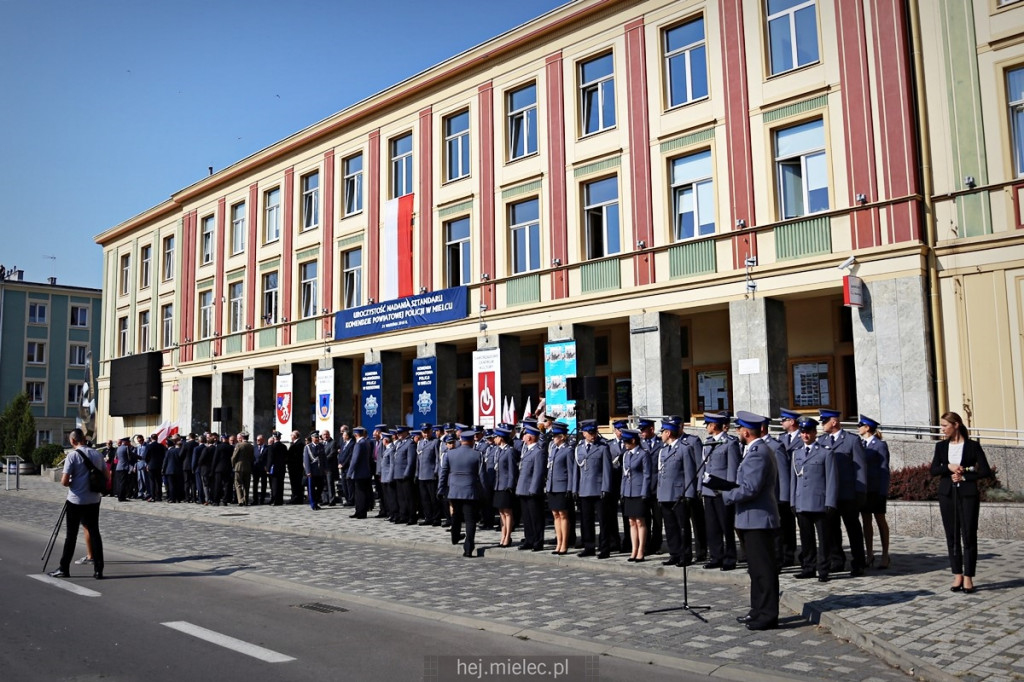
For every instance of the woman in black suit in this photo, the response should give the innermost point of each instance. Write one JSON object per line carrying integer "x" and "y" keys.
{"x": 959, "y": 462}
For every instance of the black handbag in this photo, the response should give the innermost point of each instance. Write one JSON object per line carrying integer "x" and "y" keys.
{"x": 97, "y": 478}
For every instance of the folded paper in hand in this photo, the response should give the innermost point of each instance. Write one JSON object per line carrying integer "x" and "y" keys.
{"x": 717, "y": 483}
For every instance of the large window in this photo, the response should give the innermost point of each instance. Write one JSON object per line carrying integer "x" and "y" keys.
{"x": 238, "y": 228}
{"x": 236, "y": 307}
{"x": 401, "y": 166}
{"x": 122, "y": 336}
{"x": 36, "y": 391}
{"x": 352, "y": 278}
{"x": 802, "y": 174}
{"x": 79, "y": 316}
{"x": 458, "y": 257}
{"x": 167, "y": 326}
{"x": 456, "y": 146}
{"x": 37, "y": 313}
{"x": 206, "y": 241}
{"x": 522, "y": 122}
{"x": 168, "y": 269}
{"x": 145, "y": 261}
{"x": 35, "y": 352}
{"x": 126, "y": 274}
{"x": 77, "y": 355}
{"x": 686, "y": 62}
{"x": 144, "y": 331}
{"x": 597, "y": 94}
{"x": 205, "y": 314}
{"x": 307, "y": 289}
{"x": 353, "y": 184}
{"x": 310, "y": 200}
{"x": 1015, "y": 96}
{"x": 524, "y": 232}
{"x": 269, "y": 312}
{"x": 693, "y": 198}
{"x": 601, "y": 217}
{"x": 792, "y": 34}
{"x": 272, "y": 215}
{"x": 75, "y": 391}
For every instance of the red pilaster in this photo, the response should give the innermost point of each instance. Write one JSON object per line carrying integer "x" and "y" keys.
{"x": 327, "y": 244}
{"x": 218, "y": 276}
{"x": 557, "y": 211}
{"x": 188, "y": 284}
{"x": 737, "y": 129}
{"x": 639, "y": 151}
{"x": 896, "y": 117}
{"x": 425, "y": 212}
{"x": 373, "y": 218}
{"x": 252, "y": 275}
{"x": 485, "y": 99}
{"x": 288, "y": 209}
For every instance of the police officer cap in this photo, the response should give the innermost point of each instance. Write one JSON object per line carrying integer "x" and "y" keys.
{"x": 559, "y": 428}
{"x": 529, "y": 420}
{"x": 645, "y": 423}
{"x": 789, "y": 414}
{"x": 750, "y": 420}
{"x": 359, "y": 430}
{"x": 828, "y": 414}
{"x": 674, "y": 418}
{"x": 460, "y": 427}
{"x": 867, "y": 421}
{"x": 620, "y": 423}
{"x": 630, "y": 434}
{"x": 449, "y": 426}
{"x": 467, "y": 435}
{"x": 380, "y": 427}
{"x": 386, "y": 435}
{"x": 402, "y": 428}
{"x": 588, "y": 425}
{"x": 225, "y": 435}
{"x": 502, "y": 431}
{"x": 314, "y": 434}
{"x": 669, "y": 425}
{"x": 450, "y": 438}
{"x": 808, "y": 424}
{"x": 715, "y": 418}
{"x": 531, "y": 429}
{"x": 426, "y": 426}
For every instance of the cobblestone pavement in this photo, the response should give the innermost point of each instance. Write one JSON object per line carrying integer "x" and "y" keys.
{"x": 904, "y": 616}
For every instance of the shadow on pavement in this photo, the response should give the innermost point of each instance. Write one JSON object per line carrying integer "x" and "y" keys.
{"x": 813, "y": 609}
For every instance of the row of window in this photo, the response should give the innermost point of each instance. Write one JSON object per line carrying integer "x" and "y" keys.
{"x": 38, "y": 313}
{"x": 35, "y": 353}
{"x": 36, "y": 392}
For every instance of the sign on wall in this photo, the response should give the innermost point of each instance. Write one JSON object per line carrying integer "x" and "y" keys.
{"x": 370, "y": 403}
{"x": 424, "y": 390}
{"x": 325, "y": 400}
{"x": 487, "y": 387}
{"x": 853, "y": 291}
{"x": 435, "y": 307}
{"x": 283, "y": 405}
{"x": 559, "y": 363}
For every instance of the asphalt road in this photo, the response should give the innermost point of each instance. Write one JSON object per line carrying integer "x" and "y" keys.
{"x": 152, "y": 620}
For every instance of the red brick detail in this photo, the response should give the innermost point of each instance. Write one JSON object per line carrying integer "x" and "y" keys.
{"x": 285, "y": 282}
{"x": 485, "y": 100}
{"x": 425, "y": 212}
{"x": 639, "y": 150}
{"x": 219, "y": 259}
{"x": 252, "y": 274}
{"x": 373, "y": 217}
{"x": 557, "y": 210}
{"x": 327, "y": 244}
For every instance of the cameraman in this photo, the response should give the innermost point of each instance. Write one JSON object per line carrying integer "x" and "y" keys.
{"x": 83, "y": 505}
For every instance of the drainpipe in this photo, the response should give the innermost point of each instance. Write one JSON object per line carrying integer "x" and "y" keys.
{"x": 931, "y": 237}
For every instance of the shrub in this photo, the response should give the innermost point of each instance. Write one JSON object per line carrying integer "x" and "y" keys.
{"x": 46, "y": 455}
{"x": 916, "y": 483}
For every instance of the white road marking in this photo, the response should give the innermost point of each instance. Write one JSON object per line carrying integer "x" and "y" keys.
{"x": 228, "y": 642}
{"x": 65, "y": 585}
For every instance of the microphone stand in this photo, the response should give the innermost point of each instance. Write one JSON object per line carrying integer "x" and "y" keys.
{"x": 686, "y": 606}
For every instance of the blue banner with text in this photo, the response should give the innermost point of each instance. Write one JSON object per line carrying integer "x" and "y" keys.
{"x": 434, "y": 307}
{"x": 424, "y": 391}
{"x": 371, "y": 395}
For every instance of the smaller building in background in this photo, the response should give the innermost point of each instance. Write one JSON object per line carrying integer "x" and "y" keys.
{"x": 49, "y": 335}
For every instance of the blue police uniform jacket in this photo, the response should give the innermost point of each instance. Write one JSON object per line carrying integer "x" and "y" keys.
{"x": 403, "y": 460}
{"x": 783, "y": 462}
{"x": 359, "y": 466}
{"x": 124, "y": 458}
{"x": 636, "y": 473}
{"x": 754, "y": 494}
{"x": 461, "y": 476}
{"x": 313, "y": 460}
{"x": 814, "y": 482}
{"x": 848, "y": 451}
{"x": 723, "y": 459}
{"x": 531, "y": 471}
{"x": 559, "y": 462}
{"x": 505, "y": 468}
{"x": 674, "y": 469}
{"x": 592, "y": 472}
{"x": 426, "y": 459}
{"x": 876, "y": 456}
{"x": 387, "y": 466}
{"x": 488, "y": 458}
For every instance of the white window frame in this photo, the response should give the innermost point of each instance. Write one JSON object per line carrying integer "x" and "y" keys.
{"x": 401, "y": 166}
{"x": 352, "y": 279}
{"x": 126, "y": 274}
{"x": 310, "y": 200}
{"x": 44, "y": 437}
{"x": 308, "y": 289}
{"x": 236, "y": 305}
{"x": 75, "y": 392}
{"x": 144, "y": 327}
{"x": 352, "y": 184}
{"x": 270, "y": 297}
{"x": 1016, "y": 112}
{"x": 35, "y": 352}
{"x": 37, "y": 312}
{"x": 272, "y": 215}
{"x": 597, "y": 85}
{"x": 790, "y": 14}
{"x": 205, "y": 314}
{"x": 122, "y": 336}
{"x": 207, "y": 227}
{"x": 525, "y": 118}
{"x": 167, "y": 325}
{"x": 462, "y": 248}
{"x": 78, "y": 355}
{"x": 531, "y": 239}
{"x": 686, "y": 52}
{"x": 36, "y": 392}
{"x": 238, "y": 228}
{"x": 694, "y": 186}
{"x": 457, "y": 159}
{"x": 600, "y": 211}
{"x": 802, "y": 160}
{"x": 79, "y": 316}
{"x": 168, "y": 270}
{"x": 145, "y": 266}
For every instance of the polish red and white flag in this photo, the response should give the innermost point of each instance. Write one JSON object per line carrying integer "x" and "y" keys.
{"x": 396, "y": 249}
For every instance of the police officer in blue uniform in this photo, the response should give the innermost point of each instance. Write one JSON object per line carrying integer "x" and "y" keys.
{"x": 461, "y": 483}
{"x": 814, "y": 492}
{"x": 427, "y": 453}
{"x": 651, "y": 443}
{"x": 616, "y": 448}
{"x": 675, "y": 479}
{"x": 559, "y": 464}
{"x": 488, "y": 454}
{"x": 636, "y": 488}
{"x": 876, "y": 454}
{"x": 530, "y": 489}
{"x": 757, "y": 518}
{"x": 503, "y": 497}
{"x": 387, "y": 474}
{"x": 848, "y": 451}
{"x": 404, "y": 475}
{"x": 592, "y": 484}
{"x": 360, "y": 473}
{"x": 785, "y": 541}
{"x": 694, "y": 503}
{"x": 721, "y": 455}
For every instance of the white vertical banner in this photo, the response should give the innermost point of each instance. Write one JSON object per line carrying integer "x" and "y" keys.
{"x": 325, "y": 400}
{"x": 487, "y": 387}
{"x": 283, "y": 405}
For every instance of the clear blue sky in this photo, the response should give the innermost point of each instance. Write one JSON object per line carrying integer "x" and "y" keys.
{"x": 110, "y": 106}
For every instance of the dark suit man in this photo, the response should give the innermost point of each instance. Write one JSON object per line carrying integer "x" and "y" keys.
{"x": 296, "y": 477}
{"x": 260, "y": 465}
{"x": 360, "y": 472}
{"x": 223, "y": 474}
{"x": 461, "y": 483}
{"x": 172, "y": 471}
{"x": 155, "y": 453}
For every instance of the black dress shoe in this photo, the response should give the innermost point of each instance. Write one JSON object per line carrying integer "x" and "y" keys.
{"x": 670, "y": 562}
{"x": 457, "y": 540}
{"x": 856, "y": 572}
{"x": 523, "y": 548}
{"x": 955, "y": 588}
{"x": 587, "y": 552}
{"x": 743, "y": 619}
{"x": 804, "y": 575}
{"x": 98, "y": 575}
{"x": 604, "y": 555}
{"x": 468, "y": 555}
{"x": 59, "y": 573}
{"x": 713, "y": 564}
{"x": 822, "y": 578}
{"x": 640, "y": 560}
{"x": 728, "y": 567}
{"x": 970, "y": 590}
{"x": 770, "y": 625}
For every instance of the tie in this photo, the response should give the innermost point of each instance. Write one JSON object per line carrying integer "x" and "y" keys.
{"x": 588, "y": 447}
{"x": 833, "y": 437}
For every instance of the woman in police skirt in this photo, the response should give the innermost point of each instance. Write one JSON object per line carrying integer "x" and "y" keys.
{"x": 876, "y": 454}
{"x": 559, "y": 462}
{"x": 505, "y": 470}
{"x": 636, "y": 486}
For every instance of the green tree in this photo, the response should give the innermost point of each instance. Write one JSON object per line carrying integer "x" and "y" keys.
{"x": 17, "y": 428}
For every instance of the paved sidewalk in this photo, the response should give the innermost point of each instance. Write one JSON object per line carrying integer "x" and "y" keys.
{"x": 905, "y": 616}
